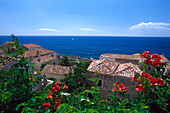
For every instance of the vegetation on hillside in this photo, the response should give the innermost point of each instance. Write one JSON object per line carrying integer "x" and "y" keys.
{"x": 16, "y": 93}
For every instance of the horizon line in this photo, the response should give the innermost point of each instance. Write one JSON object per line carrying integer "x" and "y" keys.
{"x": 84, "y": 35}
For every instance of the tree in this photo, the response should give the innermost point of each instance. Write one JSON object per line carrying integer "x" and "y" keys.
{"x": 77, "y": 79}
{"x": 16, "y": 83}
{"x": 64, "y": 61}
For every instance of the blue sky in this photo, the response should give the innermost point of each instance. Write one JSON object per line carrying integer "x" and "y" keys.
{"x": 85, "y": 17}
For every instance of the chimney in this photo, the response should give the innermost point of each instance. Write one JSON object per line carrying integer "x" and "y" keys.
{"x": 38, "y": 55}
{"x": 91, "y": 59}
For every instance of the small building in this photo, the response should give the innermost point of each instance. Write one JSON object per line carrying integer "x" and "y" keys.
{"x": 42, "y": 60}
{"x": 30, "y": 47}
{"x": 38, "y": 52}
{"x": 56, "y": 72}
{"x": 121, "y": 58}
{"x": 109, "y": 72}
{"x": 5, "y": 46}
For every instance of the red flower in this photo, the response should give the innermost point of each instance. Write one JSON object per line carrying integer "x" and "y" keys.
{"x": 160, "y": 82}
{"x": 31, "y": 79}
{"x": 157, "y": 63}
{"x": 46, "y": 105}
{"x": 156, "y": 57}
{"x": 114, "y": 89}
{"x": 140, "y": 87}
{"x": 57, "y": 83}
{"x": 50, "y": 92}
{"x": 55, "y": 88}
{"x": 146, "y": 52}
{"x": 144, "y": 55}
{"x": 148, "y": 61}
{"x": 146, "y": 75}
{"x": 58, "y": 99}
{"x": 56, "y": 105}
{"x": 134, "y": 78}
{"x": 65, "y": 86}
{"x": 154, "y": 81}
{"x": 121, "y": 86}
{"x": 115, "y": 84}
{"x": 50, "y": 96}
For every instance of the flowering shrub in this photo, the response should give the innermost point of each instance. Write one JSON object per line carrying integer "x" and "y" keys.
{"x": 46, "y": 105}
{"x": 47, "y": 100}
{"x": 120, "y": 88}
{"x": 152, "y": 85}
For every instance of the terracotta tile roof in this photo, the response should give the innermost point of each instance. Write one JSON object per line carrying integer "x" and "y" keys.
{"x": 31, "y": 45}
{"x": 46, "y": 58}
{"x": 6, "y": 61}
{"x": 56, "y": 69}
{"x": 33, "y": 53}
{"x": 6, "y": 43}
{"x": 120, "y": 56}
{"x": 127, "y": 66}
{"x": 103, "y": 66}
{"x": 113, "y": 68}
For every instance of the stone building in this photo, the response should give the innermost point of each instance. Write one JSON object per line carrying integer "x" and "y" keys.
{"x": 121, "y": 58}
{"x": 56, "y": 72}
{"x": 29, "y": 47}
{"x": 42, "y": 60}
{"x": 38, "y": 52}
{"x": 5, "y": 46}
{"x": 109, "y": 72}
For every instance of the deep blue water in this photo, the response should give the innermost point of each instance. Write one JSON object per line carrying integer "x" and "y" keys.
{"x": 94, "y": 46}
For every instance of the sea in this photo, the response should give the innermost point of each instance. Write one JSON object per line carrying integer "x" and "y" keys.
{"x": 94, "y": 46}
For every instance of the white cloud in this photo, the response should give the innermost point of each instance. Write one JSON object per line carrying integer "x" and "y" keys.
{"x": 86, "y": 29}
{"x": 48, "y": 29}
{"x": 151, "y": 25}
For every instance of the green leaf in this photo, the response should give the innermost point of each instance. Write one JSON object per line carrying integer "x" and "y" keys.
{"x": 33, "y": 99}
{"x": 47, "y": 111}
{"x": 145, "y": 107}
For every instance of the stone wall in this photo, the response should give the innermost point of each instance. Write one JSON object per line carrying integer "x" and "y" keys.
{"x": 55, "y": 76}
{"x": 127, "y": 61}
{"x": 121, "y": 60}
{"x": 37, "y": 64}
{"x": 8, "y": 66}
{"x": 29, "y": 49}
{"x": 109, "y": 80}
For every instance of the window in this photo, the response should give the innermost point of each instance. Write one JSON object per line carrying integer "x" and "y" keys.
{"x": 99, "y": 83}
{"x": 149, "y": 68}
